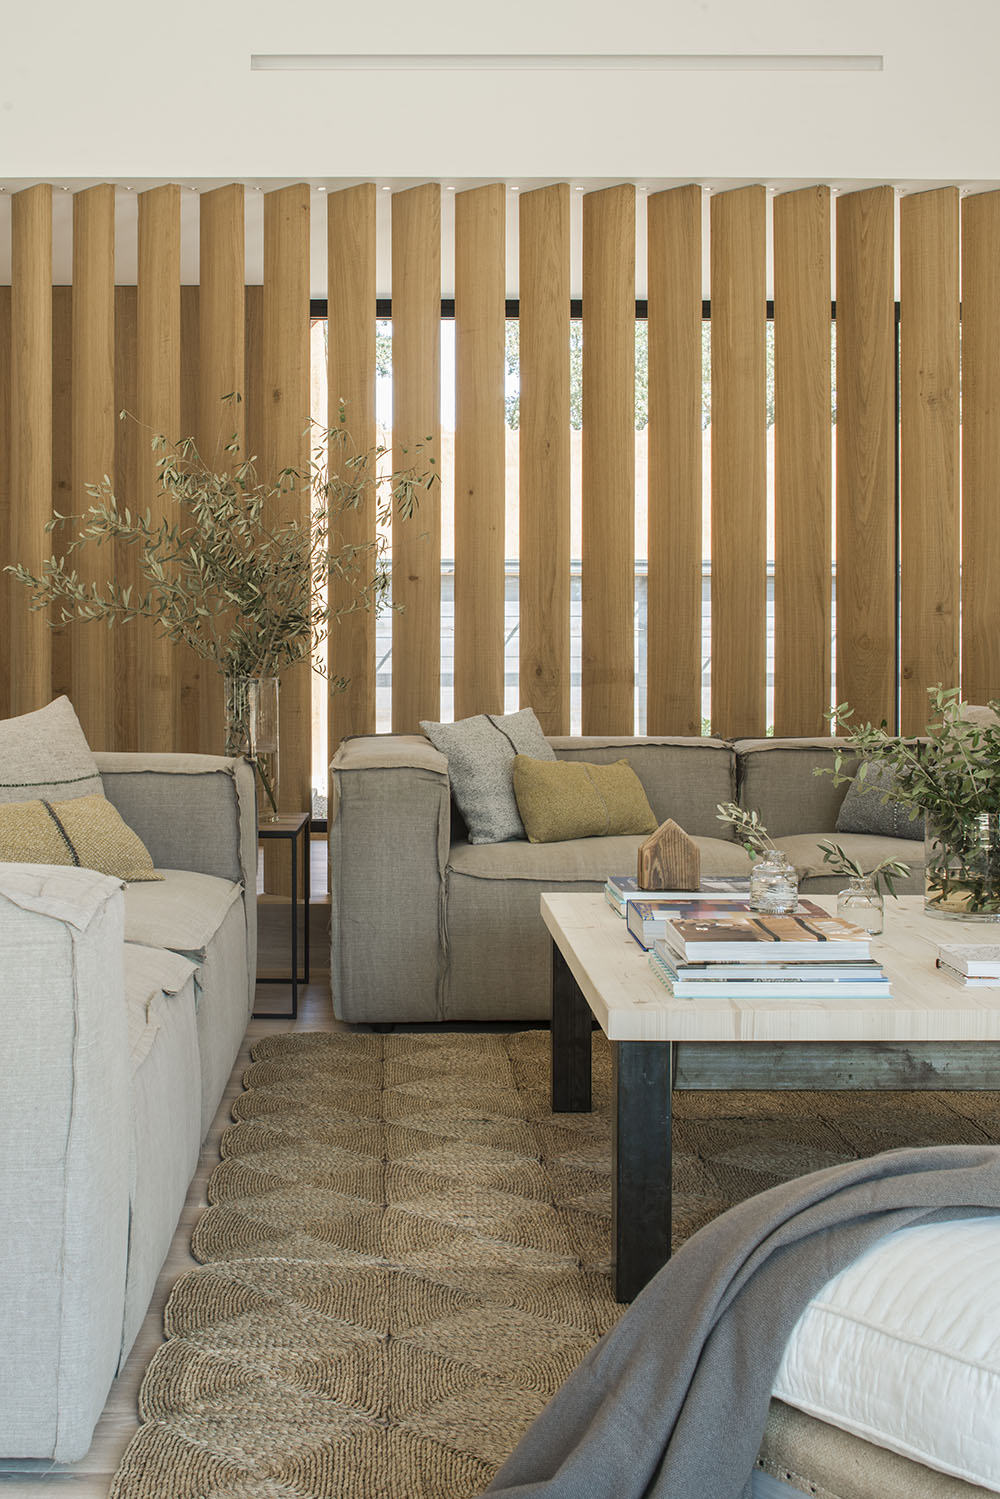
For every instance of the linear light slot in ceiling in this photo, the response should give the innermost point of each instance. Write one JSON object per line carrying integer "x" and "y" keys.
{"x": 666, "y": 62}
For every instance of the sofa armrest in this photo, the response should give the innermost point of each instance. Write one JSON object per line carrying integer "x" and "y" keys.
{"x": 390, "y": 833}
{"x": 65, "y": 1131}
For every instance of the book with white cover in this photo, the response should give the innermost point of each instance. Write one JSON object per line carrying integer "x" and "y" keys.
{"x": 792, "y": 987}
{"x": 969, "y": 980}
{"x": 850, "y": 972}
{"x": 979, "y": 959}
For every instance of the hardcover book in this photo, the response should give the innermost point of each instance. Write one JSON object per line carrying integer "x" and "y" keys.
{"x": 648, "y": 919}
{"x": 789, "y": 984}
{"x": 749, "y": 938}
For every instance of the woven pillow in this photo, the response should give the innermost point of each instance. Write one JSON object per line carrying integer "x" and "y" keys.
{"x": 565, "y": 799}
{"x": 46, "y": 754}
{"x": 85, "y": 830}
{"x": 480, "y": 753}
{"x": 870, "y": 807}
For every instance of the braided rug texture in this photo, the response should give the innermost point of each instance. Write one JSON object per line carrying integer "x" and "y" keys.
{"x": 406, "y": 1253}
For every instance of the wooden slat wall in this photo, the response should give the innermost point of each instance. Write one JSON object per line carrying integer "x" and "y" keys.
{"x": 6, "y": 520}
{"x": 739, "y": 461}
{"x": 544, "y": 522}
{"x": 221, "y": 371}
{"x": 93, "y": 422}
{"x": 980, "y": 445}
{"x": 608, "y": 516}
{"x": 929, "y": 480}
{"x": 29, "y": 642}
{"x": 480, "y": 457}
{"x": 416, "y": 384}
{"x": 126, "y": 471}
{"x": 803, "y": 475}
{"x": 153, "y": 691}
{"x": 284, "y": 442}
{"x": 351, "y": 379}
{"x": 866, "y": 562}
{"x": 673, "y": 638}
{"x": 62, "y": 472}
{"x": 191, "y": 673}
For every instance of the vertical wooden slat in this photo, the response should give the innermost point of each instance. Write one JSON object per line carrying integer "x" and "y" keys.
{"x": 6, "y": 519}
{"x": 190, "y": 670}
{"x": 739, "y": 461}
{"x": 480, "y": 458}
{"x": 29, "y": 642}
{"x": 128, "y": 448}
{"x": 803, "y": 475}
{"x": 928, "y": 449}
{"x": 351, "y": 379}
{"x": 158, "y": 387}
{"x": 544, "y": 451}
{"x": 284, "y": 442}
{"x": 416, "y": 418}
{"x": 221, "y": 372}
{"x": 62, "y": 475}
{"x": 93, "y": 437}
{"x": 674, "y": 274}
{"x": 980, "y": 446}
{"x": 608, "y": 515}
{"x": 866, "y": 527}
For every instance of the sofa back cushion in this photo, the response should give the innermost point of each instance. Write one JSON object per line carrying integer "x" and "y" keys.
{"x": 684, "y": 779}
{"x": 777, "y": 780}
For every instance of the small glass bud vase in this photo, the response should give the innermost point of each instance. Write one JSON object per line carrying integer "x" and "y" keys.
{"x": 862, "y": 904}
{"x": 774, "y": 885}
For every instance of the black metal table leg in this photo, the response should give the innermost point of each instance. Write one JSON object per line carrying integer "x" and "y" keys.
{"x": 572, "y": 1024}
{"x": 641, "y": 1156}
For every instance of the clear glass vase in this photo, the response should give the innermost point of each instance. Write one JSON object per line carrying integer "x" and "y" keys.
{"x": 862, "y": 904}
{"x": 774, "y": 884}
{"x": 252, "y": 730}
{"x": 962, "y": 868}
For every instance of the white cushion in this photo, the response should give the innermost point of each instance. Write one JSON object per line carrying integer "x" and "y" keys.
{"x": 903, "y": 1348}
{"x": 45, "y": 755}
{"x": 182, "y": 913}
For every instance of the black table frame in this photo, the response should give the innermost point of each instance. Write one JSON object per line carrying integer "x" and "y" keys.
{"x": 291, "y": 826}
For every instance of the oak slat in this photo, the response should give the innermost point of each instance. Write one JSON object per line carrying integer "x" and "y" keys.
{"x": 6, "y": 521}
{"x": 674, "y": 275}
{"x": 803, "y": 474}
{"x": 194, "y": 676}
{"x": 126, "y": 471}
{"x": 928, "y": 441}
{"x": 62, "y": 636}
{"x": 351, "y": 291}
{"x": 416, "y": 386}
{"x": 284, "y": 443}
{"x": 866, "y": 548}
{"x": 608, "y": 514}
{"x": 544, "y": 439}
{"x": 980, "y": 445}
{"x": 93, "y": 422}
{"x": 221, "y": 371}
{"x": 29, "y": 643}
{"x": 739, "y": 462}
{"x": 154, "y": 687}
{"x": 480, "y": 456}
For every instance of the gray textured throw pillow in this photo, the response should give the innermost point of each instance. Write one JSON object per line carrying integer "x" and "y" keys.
{"x": 45, "y": 756}
{"x": 870, "y": 807}
{"x": 480, "y": 753}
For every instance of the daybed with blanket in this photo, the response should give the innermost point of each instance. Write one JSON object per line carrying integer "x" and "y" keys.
{"x": 122, "y": 1009}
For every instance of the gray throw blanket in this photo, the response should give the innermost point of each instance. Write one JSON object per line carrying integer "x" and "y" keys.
{"x": 672, "y": 1402}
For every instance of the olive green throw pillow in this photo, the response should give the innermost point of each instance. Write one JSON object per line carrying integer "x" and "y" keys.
{"x": 561, "y": 799}
{"x": 87, "y": 831}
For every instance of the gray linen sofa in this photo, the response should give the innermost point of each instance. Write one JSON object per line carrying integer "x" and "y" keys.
{"x": 426, "y": 926}
{"x": 121, "y": 1014}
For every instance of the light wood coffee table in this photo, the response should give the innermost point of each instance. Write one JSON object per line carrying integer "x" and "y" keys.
{"x": 929, "y": 1033}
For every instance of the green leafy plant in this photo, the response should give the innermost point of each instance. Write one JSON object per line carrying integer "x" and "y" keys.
{"x": 221, "y": 571}
{"x": 748, "y": 828}
{"x": 883, "y": 874}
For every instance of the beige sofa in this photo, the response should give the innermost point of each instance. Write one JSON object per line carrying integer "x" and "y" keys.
{"x": 427, "y": 926}
{"x": 121, "y": 1014}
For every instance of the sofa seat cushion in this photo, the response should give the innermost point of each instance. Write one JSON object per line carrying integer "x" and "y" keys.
{"x": 152, "y": 975}
{"x": 803, "y": 850}
{"x": 589, "y": 860}
{"x": 183, "y": 913}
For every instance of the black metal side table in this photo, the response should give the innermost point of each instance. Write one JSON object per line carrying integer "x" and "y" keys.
{"x": 291, "y": 826}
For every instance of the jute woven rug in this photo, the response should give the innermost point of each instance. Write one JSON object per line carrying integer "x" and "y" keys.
{"x": 406, "y": 1253}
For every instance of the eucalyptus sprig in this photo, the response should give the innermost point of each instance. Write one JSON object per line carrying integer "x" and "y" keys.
{"x": 884, "y": 872}
{"x": 221, "y": 571}
{"x": 748, "y": 828}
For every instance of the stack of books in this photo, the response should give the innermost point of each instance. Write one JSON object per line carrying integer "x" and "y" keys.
{"x": 974, "y": 965}
{"x": 621, "y": 889}
{"x": 732, "y": 954}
